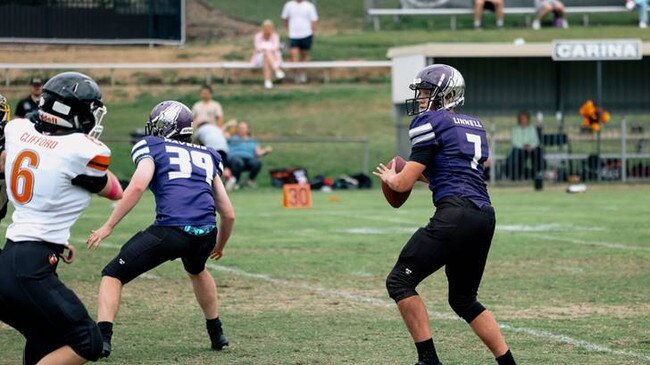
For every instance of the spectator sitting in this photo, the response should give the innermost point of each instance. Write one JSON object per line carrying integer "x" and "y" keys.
{"x": 267, "y": 53}
{"x": 494, "y": 5}
{"x": 244, "y": 155}
{"x": 207, "y": 122}
{"x": 525, "y": 147}
{"x": 642, "y": 5}
{"x": 30, "y": 103}
{"x": 546, "y": 6}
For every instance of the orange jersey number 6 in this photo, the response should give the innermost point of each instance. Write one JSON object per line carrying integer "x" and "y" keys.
{"x": 24, "y": 174}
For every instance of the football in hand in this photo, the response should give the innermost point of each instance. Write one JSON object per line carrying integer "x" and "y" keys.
{"x": 394, "y": 198}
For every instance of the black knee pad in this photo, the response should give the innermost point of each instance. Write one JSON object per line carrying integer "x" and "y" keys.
{"x": 122, "y": 266}
{"x": 401, "y": 284}
{"x": 86, "y": 340}
{"x": 113, "y": 270}
{"x": 466, "y": 307}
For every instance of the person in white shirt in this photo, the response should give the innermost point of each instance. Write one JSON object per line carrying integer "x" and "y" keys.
{"x": 300, "y": 19}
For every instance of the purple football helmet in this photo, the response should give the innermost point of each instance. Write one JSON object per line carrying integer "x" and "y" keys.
{"x": 170, "y": 119}
{"x": 445, "y": 84}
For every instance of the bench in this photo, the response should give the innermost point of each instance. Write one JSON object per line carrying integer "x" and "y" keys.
{"x": 375, "y": 13}
{"x": 206, "y": 66}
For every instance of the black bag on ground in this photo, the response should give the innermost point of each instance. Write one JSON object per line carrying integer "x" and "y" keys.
{"x": 286, "y": 175}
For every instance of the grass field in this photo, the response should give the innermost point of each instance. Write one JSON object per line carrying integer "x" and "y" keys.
{"x": 568, "y": 277}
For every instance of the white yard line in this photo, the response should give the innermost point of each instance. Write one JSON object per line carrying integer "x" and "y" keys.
{"x": 358, "y": 215}
{"x": 576, "y": 241}
{"x": 545, "y": 227}
{"x": 591, "y": 347}
{"x": 150, "y": 276}
{"x": 109, "y": 245}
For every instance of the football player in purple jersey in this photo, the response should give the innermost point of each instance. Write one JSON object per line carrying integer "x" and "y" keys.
{"x": 185, "y": 181}
{"x": 448, "y": 150}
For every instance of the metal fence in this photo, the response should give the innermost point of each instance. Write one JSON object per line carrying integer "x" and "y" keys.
{"x": 567, "y": 153}
{"x": 570, "y": 155}
{"x": 93, "y": 21}
{"x": 469, "y": 3}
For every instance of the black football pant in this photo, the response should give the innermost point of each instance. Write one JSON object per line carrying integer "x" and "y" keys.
{"x": 156, "y": 245}
{"x": 239, "y": 165}
{"x": 35, "y": 302}
{"x": 457, "y": 237}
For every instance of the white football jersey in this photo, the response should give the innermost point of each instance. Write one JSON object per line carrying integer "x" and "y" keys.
{"x": 39, "y": 172}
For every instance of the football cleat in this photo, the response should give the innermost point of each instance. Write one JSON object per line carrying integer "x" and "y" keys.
{"x": 106, "y": 349}
{"x": 219, "y": 341}
{"x": 424, "y": 363}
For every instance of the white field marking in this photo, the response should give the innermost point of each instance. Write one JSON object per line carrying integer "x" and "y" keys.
{"x": 357, "y": 215}
{"x": 551, "y": 227}
{"x": 150, "y": 276}
{"x": 364, "y": 217}
{"x": 109, "y": 245}
{"x": 315, "y": 288}
{"x": 362, "y": 274}
{"x": 592, "y": 243}
{"x": 570, "y": 269}
{"x": 591, "y": 347}
{"x": 375, "y": 230}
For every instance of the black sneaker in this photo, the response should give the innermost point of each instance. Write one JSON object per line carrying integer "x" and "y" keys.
{"x": 219, "y": 342}
{"x": 424, "y": 363}
{"x": 106, "y": 349}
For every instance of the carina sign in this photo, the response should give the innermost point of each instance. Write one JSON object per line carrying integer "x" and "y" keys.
{"x": 597, "y": 50}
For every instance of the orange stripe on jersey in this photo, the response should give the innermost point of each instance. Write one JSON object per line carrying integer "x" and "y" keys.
{"x": 97, "y": 167}
{"x": 99, "y": 162}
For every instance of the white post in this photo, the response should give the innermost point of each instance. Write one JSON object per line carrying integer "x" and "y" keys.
{"x": 624, "y": 150}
